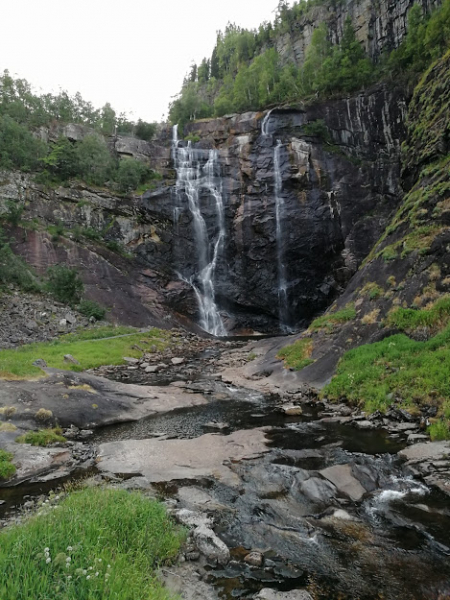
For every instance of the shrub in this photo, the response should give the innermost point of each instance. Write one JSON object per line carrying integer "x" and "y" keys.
{"x": 43, "y": 437}
{"x": 89, "y": 308}
{"x": 14, "y": 270}
{"x": 130, "y": 174}
{"x": 64, "y": 284}
{"x": 145, "y": 131}
{"x": 7, "y": 469}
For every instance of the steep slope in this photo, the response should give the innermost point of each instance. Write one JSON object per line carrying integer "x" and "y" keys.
{"x": 404, "y": 284}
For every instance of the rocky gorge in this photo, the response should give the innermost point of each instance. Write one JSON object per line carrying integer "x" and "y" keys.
{"x": 319, "y": 227}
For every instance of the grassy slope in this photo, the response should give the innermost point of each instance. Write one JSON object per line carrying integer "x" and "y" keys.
{"x": 404, "y": 283}
{"x": 87, "y": 347}
{"x": 111, "y": 539}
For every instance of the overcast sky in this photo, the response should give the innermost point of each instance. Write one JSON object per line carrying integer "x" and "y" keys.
{"x": 132, "y": 53}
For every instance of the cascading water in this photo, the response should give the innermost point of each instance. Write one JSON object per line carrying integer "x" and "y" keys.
{"x": 279, "y": 213}
{"x": 283, "y": 309}
{"x": 192, "y": 177}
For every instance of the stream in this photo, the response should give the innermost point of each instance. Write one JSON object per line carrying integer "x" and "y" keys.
{"x": 377, "y": 533}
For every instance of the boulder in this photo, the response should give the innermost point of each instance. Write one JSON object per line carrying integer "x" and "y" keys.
{"x": 341, "y": 476}
{"x": 211, "y": 546}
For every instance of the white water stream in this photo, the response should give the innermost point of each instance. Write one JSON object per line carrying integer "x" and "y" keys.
{"x": 192, "y": 178}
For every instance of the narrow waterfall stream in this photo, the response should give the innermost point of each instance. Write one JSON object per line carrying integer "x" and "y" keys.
{"x": 283, "y": 308}
{"x": 198, "y": 170}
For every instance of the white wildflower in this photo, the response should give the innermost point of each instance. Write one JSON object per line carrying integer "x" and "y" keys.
{"x": 68, "y": 559}
{"x": 46, "y": 549}
{"x": 49, "y": 560}
{"x": 69, "y": 548}
{"x": 97, "y": 574}
{"x": 88, "y": 577}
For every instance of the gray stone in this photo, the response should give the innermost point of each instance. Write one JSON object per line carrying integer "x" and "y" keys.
{"x": 177, "y": 361}
{"x": 341, "y": 476}
{"x": 254, "y": 558}
{"x": 318, "y": 490}
{"x": 40, "y": 362}
{"x": 151, "y": 369}
{"x": 211, "y": 546}
{"x": 270, "y": 594}
{"x": 130, "y": 361}
{"x": 70, "y": 359}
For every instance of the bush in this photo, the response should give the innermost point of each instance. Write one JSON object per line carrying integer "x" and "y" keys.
{"x": 44, "y": 437}
{"x": 14, "y": 270}
{"x": 89, "y": 308}
{"x": 7, "y": 469}
{"x": 145, "y": 131}
{"x": 19, "y": 149}
{"x": 64, "y": 284}
{"x": 130, "y": 174}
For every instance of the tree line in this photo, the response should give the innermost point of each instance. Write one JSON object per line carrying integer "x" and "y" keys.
{"x": 23, "y": 113}
{"x": 245, "y": 72}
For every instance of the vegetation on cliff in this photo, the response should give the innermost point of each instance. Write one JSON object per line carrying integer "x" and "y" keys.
{"x": 96, "y": 543}
{"x": 412, "y": 369}
{"x": 24, "y": 117}
{"x": 245, "y": 71}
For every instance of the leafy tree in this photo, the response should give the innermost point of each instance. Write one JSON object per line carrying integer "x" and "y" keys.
{"x": 18, "y": 147}
{"x": 130, "y": 174}
{"x": 63, "y": 161}
{"x": 65, "y": 284}
{"x": 108, "y": 120}
{"x": 96, "y": 164}
{"x": 145, "y": 131}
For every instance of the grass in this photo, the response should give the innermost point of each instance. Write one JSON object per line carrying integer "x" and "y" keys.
{"x": 298, "y": 354}
{"x": 372, "y": 290}
{"x": 43, "y": 437}
{"x": 439, "y": 431}
{"x": 397, "y": 369}
{"x": 91, "y": 348}
{"x": 330, "y": 320}
{"x": 7, "y": 469}
{"x": 97, "y": 544}
{"x": 409, "y": 319}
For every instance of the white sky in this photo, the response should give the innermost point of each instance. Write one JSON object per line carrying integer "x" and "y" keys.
{"x": 131, "y": 53}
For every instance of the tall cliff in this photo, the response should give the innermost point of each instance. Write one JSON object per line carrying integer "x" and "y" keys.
{"x": 380, "y": 25}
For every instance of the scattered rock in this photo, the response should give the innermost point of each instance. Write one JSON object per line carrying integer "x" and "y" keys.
{"x": 341, "y": 476}
{"x": 270, "y": 594}
{"x": 254, "y": 558}
{"x": 318, "y": 490}
{"x": 177, "y": 361}
{"x": 210, "y": 545}
{"x": 70, "y": 359}
{"x": 130, "y": 361}
{"x": 292, "y": 410}
{"x": 40, "y": 362}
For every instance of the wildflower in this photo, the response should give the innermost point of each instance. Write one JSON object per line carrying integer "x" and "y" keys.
{"x": 99, "y": 560}
{"x": 91, "y": 568}
{"x": 109, "y": 566}
{"x": 84, "y": 571}
{"x": 97, "y": 574}
{"x": 68, "y": 559}
{"x": 88, "y": 577}
{"x": 69, "y": 548}
{"x": 69, "y": 576}
{"x": 49, "y": 560}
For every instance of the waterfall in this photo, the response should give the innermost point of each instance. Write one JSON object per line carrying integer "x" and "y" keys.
{"x": 279, "y": 214}
{"x": 283, "y": 308}
{"x": 192, "y": 177}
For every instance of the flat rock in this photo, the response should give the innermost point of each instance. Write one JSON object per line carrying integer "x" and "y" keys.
{"x": 318, "y": 490}
{"x": 427, "y": 451}
{"x": 87, "y": 401}
{"x": 341, "y": 476}
{"x": 270, "y": 594}
{"x": 166, "y": 460}
{"x": 177, "y": 361}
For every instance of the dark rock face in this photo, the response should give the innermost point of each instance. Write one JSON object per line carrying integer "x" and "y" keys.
{"x": 338, "y": 186}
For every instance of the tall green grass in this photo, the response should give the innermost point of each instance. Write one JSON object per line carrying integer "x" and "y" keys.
{"x": 91, "y": 352}
{"x": 98, "y": 544}
{"x": 398, "y": 368}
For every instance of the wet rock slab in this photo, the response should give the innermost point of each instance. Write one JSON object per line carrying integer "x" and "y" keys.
{"x": 168, "y": 460}
{"x": 85, "y": 400}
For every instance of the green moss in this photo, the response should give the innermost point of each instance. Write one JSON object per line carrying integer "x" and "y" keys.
{"x": 298, "y": 354}
{"x": 43, "y": 437}
{"x": 330, "y": 320}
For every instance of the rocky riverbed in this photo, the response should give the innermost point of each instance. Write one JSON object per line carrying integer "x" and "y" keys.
{"x": 286, "y": 497}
